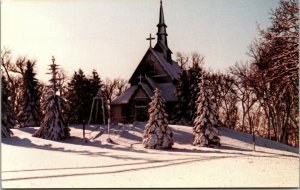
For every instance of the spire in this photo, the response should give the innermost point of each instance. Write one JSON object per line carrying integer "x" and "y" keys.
{"x": 161, "y": 15}
{"x": 162, "y": 43}
{"x": 162, "y": 32}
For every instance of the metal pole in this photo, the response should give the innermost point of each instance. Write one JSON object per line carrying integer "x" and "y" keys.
{"x": 108, "y": 131}
{"x": 253, "y": 138}
{"x": 103, "y": 110}
{"x": 97, "y": 109}
{"x": 91, "y": 113}
{"x": 83, "y": 129}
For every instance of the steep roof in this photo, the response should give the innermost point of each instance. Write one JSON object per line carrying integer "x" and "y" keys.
{"x": 147, "y": 89}
{"x": 167, "y": 91}
{"x": 127, "y": 95}
{"x": 151, "y": 82}
{"x": 173, "y": 69}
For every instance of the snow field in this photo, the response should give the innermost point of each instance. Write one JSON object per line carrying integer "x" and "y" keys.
{"x": 30, "y": 162}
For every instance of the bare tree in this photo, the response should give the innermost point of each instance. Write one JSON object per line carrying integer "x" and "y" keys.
{"x": 182, "y": 60}
{"x": 14, "y": 72}
{"x": 115, "y": 88}
{"x": 276, "y": 60}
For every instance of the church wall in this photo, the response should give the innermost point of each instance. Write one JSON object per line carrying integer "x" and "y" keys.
{"x": 126, "y": 113}
{"x": 117, "y": 115}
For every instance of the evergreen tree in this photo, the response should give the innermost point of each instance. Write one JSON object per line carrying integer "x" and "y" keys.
{"x": 30, "y": 111}
{"x": 53, "y": 126}
{"x": 187, "y": 90}
{"x": 205, "y": 131}
{"x": 79, "y": 97}
{"x": 7, "y": 116}
{"x": 95, "y": 82}
{"x": 194, "y": 74}
{"x": 157, "y": 132}
{"x": 183, "y": 95}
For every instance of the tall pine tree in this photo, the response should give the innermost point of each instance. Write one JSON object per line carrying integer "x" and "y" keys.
{"x": 157, "y": 132}
{"x": 30, "y": 110}
{"x": 95, "y": 83}
{"x": 54, "y": 126}
{"x": 187, "y": 90}
{"x": 205, "y": 131}
{"x": 79, "y": 97}
{"x": 194, "y": 74}
{"x": 8, "y": 119}
{"x": 183, "y": 95}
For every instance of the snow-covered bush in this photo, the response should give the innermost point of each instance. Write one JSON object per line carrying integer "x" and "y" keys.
{"x": 157, "y": 132}
{"x": 205, "y": 131}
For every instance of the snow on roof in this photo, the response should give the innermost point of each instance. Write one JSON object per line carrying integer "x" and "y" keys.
{"x": 168, "y": 91}
{"x": 173, "y": 69}
{"x": 147, "y": 89}
{"x": 151, "y": 82}
{"x": 125, "y": 96}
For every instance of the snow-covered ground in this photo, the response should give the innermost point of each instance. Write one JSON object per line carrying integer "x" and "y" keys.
{"x": 30, "y": 162}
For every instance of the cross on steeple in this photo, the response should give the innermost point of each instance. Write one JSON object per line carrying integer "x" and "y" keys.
{"x": 150, "y": 39}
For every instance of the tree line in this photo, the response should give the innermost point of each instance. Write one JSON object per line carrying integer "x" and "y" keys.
{"x": 24, "y": 97}
{"x": 260, "y": 97}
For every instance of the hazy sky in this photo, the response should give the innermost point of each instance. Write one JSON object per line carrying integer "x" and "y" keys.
{"x": 110, "y": 35}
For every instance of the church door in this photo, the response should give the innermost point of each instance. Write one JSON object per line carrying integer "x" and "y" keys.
{"x": 141, "y": 111}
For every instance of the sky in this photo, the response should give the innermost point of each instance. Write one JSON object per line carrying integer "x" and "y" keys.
{"x": 110, "y": 35}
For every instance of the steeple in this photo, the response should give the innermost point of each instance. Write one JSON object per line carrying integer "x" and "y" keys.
{"x": 162, "y": 27}
{"x": 162, "y": 43}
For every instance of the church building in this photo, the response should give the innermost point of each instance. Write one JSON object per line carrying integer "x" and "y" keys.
{"x": 155, "y": 70}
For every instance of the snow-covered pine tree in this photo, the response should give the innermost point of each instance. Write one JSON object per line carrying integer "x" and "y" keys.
{"x": 53, "y": 126}
{"x": 157, "y": 133}
{"x": 205, "y": 131}
{"x": 30, "y": 111}
{"x": 8, "y": 119}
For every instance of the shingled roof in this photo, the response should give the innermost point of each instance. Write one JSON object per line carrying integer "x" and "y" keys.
{"x": 173, "y": 69}
{"x": 168, "y": 91}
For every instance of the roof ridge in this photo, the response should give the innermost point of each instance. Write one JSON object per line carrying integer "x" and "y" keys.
{"x": 143, "y": 87}
{"x": 151, "y": 82}
{"x": 164, "y": 66}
